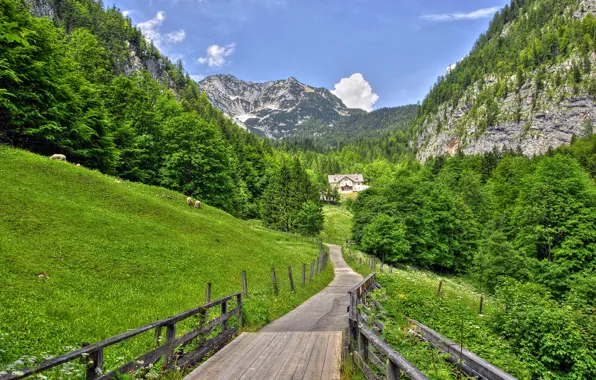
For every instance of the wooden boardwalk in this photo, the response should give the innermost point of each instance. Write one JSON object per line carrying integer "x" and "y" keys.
{"x": 276, "y": 355}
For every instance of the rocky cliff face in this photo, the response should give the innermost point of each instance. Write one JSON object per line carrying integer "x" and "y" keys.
{"x": 530, "y": 121}
{"x": 272, "y": 109}
{"x": 41, "y": 8}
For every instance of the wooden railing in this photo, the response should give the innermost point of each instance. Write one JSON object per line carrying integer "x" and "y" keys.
{"x": 170, "y": 350}
{"x": 366, "y": 347}
{"x": 470, "y": 363}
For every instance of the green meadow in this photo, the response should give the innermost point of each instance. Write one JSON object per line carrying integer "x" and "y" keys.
{"x": 338, "y": 224}
{"x": 85, "y": 256}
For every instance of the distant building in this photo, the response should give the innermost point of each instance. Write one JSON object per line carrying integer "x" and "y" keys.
{"x": 347, "y": 183}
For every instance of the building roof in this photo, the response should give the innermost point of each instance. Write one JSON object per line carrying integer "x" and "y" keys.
{"x": 334, "y": 178}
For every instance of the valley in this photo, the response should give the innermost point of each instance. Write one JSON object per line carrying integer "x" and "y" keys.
{"x": 483, "y": 190}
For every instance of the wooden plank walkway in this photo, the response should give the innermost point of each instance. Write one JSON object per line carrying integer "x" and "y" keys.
{"x": 308, "y": 355}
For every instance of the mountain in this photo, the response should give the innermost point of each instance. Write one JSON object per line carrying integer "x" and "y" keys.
{"x": 273, "y": 109}
{"x": 528, "y": 84}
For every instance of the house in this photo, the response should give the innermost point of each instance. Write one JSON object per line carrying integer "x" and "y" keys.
{"x": 347, "y": 183}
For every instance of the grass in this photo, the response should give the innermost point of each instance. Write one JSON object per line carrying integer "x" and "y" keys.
{"x": 117, "y": 255}
{"x": 413, "y": 293}
{"x": 338, "y": 224}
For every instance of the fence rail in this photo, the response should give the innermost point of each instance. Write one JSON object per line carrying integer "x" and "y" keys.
{"x": 94, "y": 353}
{"x": 470, "y": 363}
{"x": 366, "y": 346}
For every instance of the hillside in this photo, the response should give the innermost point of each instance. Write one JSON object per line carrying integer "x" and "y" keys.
{"x": 359, "y": 125}
{"x": 528, "y": 84}
{"x": 86, "y": 256}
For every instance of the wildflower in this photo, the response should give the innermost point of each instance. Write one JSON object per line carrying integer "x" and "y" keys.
{"x": 18, "y": 362}
{"x": 42, "y": 377}
{"x": 150, "y": 365}
{"x": 140, "y": 362}
{"x": 2, "y": 373}
{"x": 98, "y": 371}
{"x": 18, "y": 373}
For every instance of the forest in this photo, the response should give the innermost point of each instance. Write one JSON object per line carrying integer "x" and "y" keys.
{"x": 522, "y": 229}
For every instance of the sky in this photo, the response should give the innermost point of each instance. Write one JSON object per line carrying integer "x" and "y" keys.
{"x": 370, "y": 53}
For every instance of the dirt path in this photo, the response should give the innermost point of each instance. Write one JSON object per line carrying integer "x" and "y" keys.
{"x": 326, "y": 310}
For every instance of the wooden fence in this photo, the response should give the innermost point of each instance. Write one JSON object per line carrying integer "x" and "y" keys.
{"x": 363, "y": 342}
{"x": 363, "y": 336}
{"x": 171, "y": 351}
{"x": 468, "y": 361}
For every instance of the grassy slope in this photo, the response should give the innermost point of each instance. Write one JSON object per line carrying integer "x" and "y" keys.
{"x": 413, "y": 293}
{"x": 119, "y": 256}
{"x": 338, "y": 224}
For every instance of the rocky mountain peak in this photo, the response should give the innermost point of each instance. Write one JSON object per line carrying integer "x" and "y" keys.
{"x": 274, "y": 109}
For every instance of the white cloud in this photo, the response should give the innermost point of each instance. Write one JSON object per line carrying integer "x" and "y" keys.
{"x": 150, "y": 30}
{"x": 457, "y": 16}
{"x": 450, "y": 68}
{"x": 128, "y": 12}
{"x": 175, "y": 37}
{"x": 356, "y": 92}
{"x": 216, "y": 55}
{"x": 197, "y": 77}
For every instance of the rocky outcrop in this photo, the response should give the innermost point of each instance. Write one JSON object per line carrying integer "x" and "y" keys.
{"x": 530, "y": 121}
{"x": 585, "y": 7}
{"x": 41, "y": 8}
{"x": 272, "y": 109}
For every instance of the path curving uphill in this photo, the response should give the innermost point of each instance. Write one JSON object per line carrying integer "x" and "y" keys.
{"x": 326, "y": 310}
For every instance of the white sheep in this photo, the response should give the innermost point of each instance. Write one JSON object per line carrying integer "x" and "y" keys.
{"x": 198, "y": 204}
{"x": 58, "y": 157}
{"x": 189, "y": 202}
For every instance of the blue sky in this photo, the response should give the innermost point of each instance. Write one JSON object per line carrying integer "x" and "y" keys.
{"x": 399, "y": 46}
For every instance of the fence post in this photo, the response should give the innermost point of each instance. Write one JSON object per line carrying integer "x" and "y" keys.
{"x": 481, "y": 302}
{"x": 224, "y": 309}
{"x": 303, "y": 275}
{"x": 363, "y": 347}
{"x": 157, "y": 336}
{"x": 207, "y": 298}
{"x": 381, "y": 269}
{"x": 244, "y": 284}
{"x": 318, "y": 271}
{"x": 170, "y": 336}
{"x": 94, "y": 369}
{"x": 291, "y": 278}
{"x": 312, "y": 269}
{"x": 439, "y": 291}
{"x": 239, "y": 306}
{"x": 208, "y": 293}
{"x": 392, "y": 371}
{"x": 274, "y": 279}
